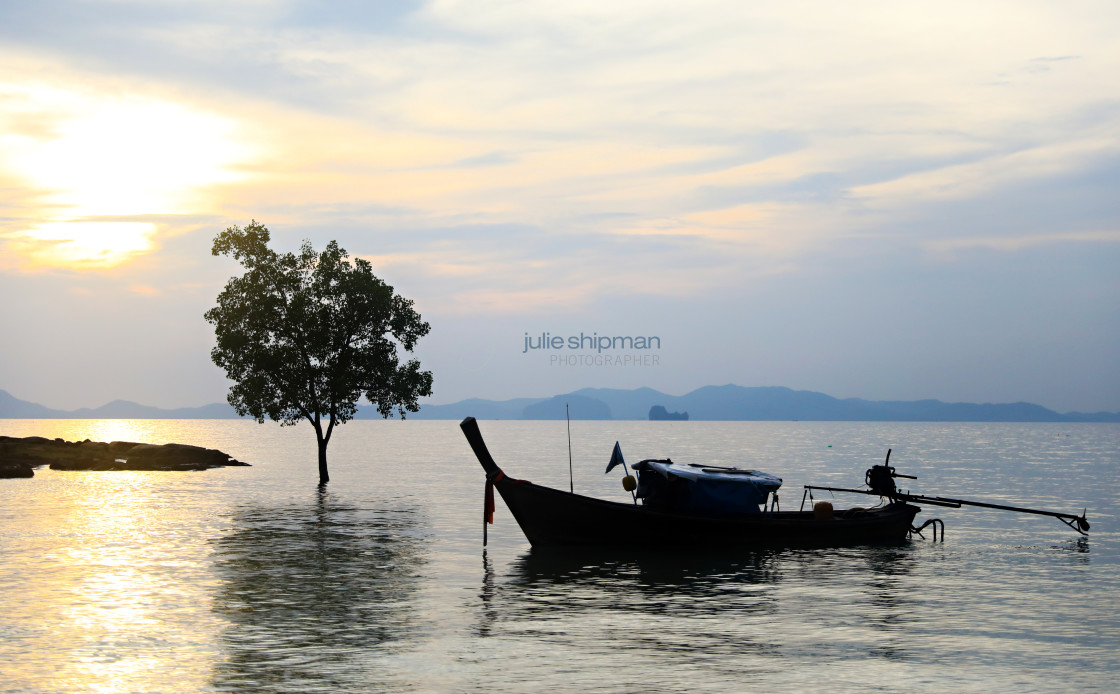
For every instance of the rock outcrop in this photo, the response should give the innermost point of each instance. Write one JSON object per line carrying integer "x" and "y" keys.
{"x": 20, "y": 456}
{"x": 658, "y": 413}
{"x": 16, "y": 468}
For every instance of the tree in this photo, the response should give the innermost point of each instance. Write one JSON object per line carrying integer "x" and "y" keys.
{"x": 305, "y": 336}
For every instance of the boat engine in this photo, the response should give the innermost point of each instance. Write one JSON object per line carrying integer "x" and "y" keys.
{"x": 880, "y": 478}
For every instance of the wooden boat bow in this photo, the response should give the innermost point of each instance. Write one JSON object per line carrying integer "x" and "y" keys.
{"x": 474, "y": 438}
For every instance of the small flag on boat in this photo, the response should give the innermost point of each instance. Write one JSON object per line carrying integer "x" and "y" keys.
{"x": 616, "y": 458}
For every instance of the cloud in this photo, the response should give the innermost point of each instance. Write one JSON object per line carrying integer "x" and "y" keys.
{"x": 509, "y": 158}
{"x": 145, "y": 290}
{"x": 78, "y": 245}
{"x": 976, "y": 178}
{"x": 1017, "y": 243}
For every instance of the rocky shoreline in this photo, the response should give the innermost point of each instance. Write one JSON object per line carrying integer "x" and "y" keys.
{"x": 20, "y": 456}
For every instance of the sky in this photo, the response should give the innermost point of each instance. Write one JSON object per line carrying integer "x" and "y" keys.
{"x": 891, "y": 201}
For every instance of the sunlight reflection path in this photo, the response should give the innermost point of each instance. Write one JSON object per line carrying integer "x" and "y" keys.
{"x": 133, "y": 579}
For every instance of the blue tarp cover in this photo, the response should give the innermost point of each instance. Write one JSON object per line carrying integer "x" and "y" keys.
{"x": 700, "y": 489}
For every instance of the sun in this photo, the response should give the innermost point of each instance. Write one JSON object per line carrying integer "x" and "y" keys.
{"x": 101, "y": 163}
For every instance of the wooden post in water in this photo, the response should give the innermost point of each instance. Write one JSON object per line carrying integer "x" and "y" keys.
{"x": 571, "y": 479}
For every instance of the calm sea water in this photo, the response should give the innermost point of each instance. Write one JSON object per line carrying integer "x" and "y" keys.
{"x": 251, "y": 580}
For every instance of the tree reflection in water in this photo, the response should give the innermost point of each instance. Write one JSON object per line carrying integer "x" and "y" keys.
{"x": 310, "y": 592}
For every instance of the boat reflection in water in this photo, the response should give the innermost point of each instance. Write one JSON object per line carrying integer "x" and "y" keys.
{"x": 729, "y": 612}
{"x": 311, "y": 592}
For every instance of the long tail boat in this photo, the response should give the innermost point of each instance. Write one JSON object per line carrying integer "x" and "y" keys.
{"x": 556, "y": 518}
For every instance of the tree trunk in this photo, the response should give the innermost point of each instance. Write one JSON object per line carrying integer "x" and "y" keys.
{"x": 322, "y": 441}
{"x": 323, "y": 476}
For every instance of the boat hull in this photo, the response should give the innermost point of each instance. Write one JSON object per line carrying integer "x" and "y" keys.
{"x": 553, "y": 518}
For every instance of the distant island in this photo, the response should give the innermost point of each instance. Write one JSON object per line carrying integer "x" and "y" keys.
{"x": 658, "y": 413}
{"x": 710, "y": 403}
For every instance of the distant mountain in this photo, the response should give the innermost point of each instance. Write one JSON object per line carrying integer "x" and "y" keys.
{"x": 474, "y": 407}
{"x": 726, "y": 403}
{"x": 738, "y": 403}
{"x": 559, "y": 407}
{"x": 627, "y": 404}
{"x": 14, "y": 408}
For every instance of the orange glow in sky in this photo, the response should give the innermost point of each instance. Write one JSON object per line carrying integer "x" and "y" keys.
{"x": 83, "y": 245}
{"x": 100, "y": 163}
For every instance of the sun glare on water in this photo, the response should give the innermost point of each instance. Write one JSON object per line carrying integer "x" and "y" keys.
{"x": 99, "y": 165}
{"x": 107, "y": 430}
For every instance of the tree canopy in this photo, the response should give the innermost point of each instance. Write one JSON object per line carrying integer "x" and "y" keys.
{"x": 305, "y": 336}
